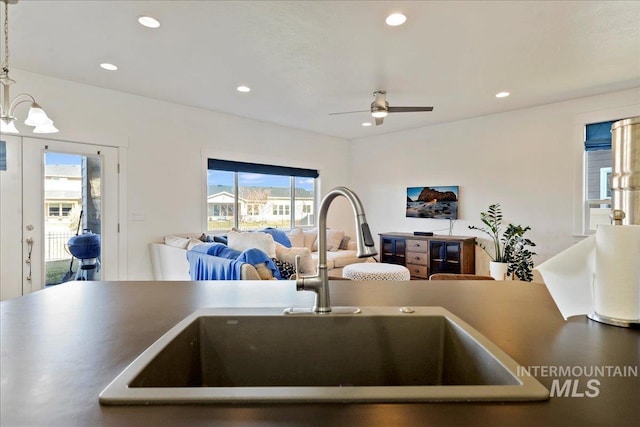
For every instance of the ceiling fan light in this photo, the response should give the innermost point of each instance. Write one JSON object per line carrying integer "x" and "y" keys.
{"x": 379, "y": 114}
{"x": 36, "y": 116}
{"x": 8, "y": 126}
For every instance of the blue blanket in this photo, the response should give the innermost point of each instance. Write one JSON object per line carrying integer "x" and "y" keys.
{"x": 207, "y": 267}
{"x": 216, "y": 249}
{"x": 216, "y": 261}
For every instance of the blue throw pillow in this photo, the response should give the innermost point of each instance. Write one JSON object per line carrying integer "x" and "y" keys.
{"x": 279, "y": 236}
{"x": 220, "y": 239}
{"x": 213, "y": 238}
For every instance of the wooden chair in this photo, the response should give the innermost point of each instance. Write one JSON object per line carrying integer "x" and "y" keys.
{"x": 452, "y": 276}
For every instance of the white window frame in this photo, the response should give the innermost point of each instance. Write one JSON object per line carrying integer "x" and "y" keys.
{"x": 604, "y": 183}
{"x": 581, "y": 226}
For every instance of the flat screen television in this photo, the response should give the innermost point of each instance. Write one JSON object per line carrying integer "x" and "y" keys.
{"x": 439, "y": 202}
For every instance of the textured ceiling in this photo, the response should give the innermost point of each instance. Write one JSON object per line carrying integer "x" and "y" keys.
{"x": 305, "y": 59}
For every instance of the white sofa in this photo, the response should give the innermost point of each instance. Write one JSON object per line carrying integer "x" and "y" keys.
{"x": 169, "y": 262}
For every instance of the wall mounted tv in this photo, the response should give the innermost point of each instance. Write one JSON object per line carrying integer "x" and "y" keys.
{"x": 439, "y": 202}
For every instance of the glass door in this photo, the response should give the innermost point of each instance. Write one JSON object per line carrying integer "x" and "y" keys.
{"x": 69, "y": 213}
{"x": 444, "y": 257}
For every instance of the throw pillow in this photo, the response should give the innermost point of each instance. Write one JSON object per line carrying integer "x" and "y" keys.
{"x": 310, "y": 236}
{"x": 344, "y": 244}
{"x": 213, "y": 238}
{"x": 193, "y": 242}
{"x": 296, "y": 237}
{"x": 334, "y": 237}
{"x": 176, "y": 241}
{"x": 286, "y": 269}
{"x": 242, "y": 241}
{"x": 278, "y": 235}
{"x": 264, "y": 272}
{"x": 307, "y": 265}
{"x": 220, "y": 239}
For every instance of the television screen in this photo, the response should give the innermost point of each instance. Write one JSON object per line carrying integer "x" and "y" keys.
{"x": 432, "y": 202}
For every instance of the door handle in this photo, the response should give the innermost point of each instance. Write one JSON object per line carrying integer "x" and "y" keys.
{"x": 28, "y": 260}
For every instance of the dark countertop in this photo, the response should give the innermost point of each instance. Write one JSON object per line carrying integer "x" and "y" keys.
{"x": 60, "y": 348}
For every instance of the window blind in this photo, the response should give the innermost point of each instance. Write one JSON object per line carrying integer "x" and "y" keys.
{"x": 232, "y": 166}
{"x": 598, "y": 136}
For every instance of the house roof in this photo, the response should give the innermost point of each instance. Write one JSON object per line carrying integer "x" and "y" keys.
{"x": 67, "y": 171}
{"x": 273, "y": 192}
{"x": 306, "y": 59}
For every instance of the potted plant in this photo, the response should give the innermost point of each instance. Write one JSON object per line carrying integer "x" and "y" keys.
{"x": 510, "y": 247}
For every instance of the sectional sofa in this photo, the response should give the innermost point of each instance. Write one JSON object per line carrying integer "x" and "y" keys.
{"x": 169, "y": 256}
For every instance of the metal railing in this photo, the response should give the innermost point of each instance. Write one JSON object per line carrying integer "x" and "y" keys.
{"x": 55, "y": 246}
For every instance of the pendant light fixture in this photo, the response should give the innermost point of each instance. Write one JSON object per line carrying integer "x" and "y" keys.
{"x": 36, "y": 116}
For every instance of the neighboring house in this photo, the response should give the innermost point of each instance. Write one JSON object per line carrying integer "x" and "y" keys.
{"x": 62, "y": 205}
{"x": 259, "y": 205}
{"x": 63, "y": 196}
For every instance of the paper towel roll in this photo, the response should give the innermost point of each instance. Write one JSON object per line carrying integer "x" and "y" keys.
{"x": 616, "y": 289}
{"x": 569, "y": 278}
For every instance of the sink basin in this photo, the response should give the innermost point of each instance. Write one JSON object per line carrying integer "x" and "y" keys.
{"x": 383, "y": 354}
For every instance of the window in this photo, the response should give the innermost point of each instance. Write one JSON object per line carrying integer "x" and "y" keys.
{"x": 598, "y": 163}
{"x": 65, "y": 208}
{"x": 59, "y": 209}
{"x": 253, "y": 209}
{"x": 222, "y": 209}
{"x": 280, "y": 210}
{"x": 258, "y": 196}
{"x": 3, "y": 156}
{"x": 605, "y": 183}
{"x": 304, "y": 202}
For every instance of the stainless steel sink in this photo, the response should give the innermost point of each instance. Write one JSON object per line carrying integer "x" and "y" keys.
{"x": 383, "y": 354}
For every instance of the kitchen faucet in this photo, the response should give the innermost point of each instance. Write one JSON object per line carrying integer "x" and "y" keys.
{"x": 319, "y": 282}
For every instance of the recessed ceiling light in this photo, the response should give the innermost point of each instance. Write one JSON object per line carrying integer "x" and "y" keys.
{"x": 108, "y": 67}
{"x": 365, "y": 124}
{"x": 502, "y": 94}
{"x": 395, "y": 19}
{"x": 243, "y": 89}
{"x": 149, "y": 22}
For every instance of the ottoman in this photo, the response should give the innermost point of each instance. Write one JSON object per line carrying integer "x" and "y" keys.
{"x": 375, "y": 271}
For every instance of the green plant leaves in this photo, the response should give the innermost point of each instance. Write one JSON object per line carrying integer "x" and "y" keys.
{"x": 509, "y": 246}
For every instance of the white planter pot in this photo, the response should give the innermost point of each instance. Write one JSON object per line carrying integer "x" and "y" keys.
{"x": 498, "y": 270}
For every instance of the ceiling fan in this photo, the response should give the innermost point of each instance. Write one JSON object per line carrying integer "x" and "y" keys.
{"x": 380, "y": 108}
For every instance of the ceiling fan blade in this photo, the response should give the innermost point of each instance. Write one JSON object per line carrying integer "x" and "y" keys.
{"x": 408, "y": 109}
{"x": 379, "y": 120}
{"x": 349, "y": 112}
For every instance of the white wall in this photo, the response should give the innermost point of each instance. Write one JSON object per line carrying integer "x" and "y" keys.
{"x": 166, "y": 143}
{"x": 525, "y": 160}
